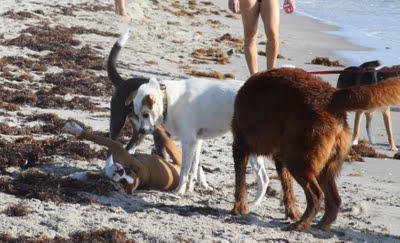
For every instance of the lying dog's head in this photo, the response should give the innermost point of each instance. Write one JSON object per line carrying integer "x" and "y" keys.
{"x": 148, "y": 106}
{"x": 116, "y": 172}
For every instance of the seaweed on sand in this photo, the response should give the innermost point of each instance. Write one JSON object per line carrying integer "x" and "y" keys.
{"x": 20, "y": 15}
{"x": 212, "y": 54}
{"x": 363, "y": 149}
{"x": 44, "y": 37}
{"x": 74, "y": 58}
{"x": 27, "y": 150}
{"x": 35, "y": 183}
{"x": 79, "y": 82}
{"x": 324, "y": 61}
{"x": 17, "y": 210}
{"x": 97, "y": 235}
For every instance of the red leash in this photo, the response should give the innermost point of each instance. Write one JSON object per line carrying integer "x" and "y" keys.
{"x": 385, "y": 70}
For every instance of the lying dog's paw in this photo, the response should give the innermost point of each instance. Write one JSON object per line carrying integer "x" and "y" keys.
{"x": 73, "y": 128}
{"x": 78, "y": 176}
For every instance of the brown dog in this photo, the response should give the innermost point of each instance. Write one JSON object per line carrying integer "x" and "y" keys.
{"x": 152, "y": 171}
{"x": 301, "y": 121}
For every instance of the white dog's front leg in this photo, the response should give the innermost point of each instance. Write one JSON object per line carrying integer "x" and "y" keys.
{"x": 201, "y": 177}
{"x": 258, "y": 167}
{"x": 195, "y": 164}
{"x": 188, "y": 152}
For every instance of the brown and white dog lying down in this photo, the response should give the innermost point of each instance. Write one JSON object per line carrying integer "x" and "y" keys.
{"x": 347, "y": 80}
{"x": 301, "y": 121}
{"x": 137, "y": 171}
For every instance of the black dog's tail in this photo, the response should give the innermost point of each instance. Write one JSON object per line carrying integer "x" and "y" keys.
{"x": 113, "y": 75}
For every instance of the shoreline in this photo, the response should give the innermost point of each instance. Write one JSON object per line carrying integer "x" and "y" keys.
{"x": 302, "y": 38}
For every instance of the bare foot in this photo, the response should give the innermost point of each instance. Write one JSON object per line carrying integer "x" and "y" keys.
{"x": 126, "y": 15}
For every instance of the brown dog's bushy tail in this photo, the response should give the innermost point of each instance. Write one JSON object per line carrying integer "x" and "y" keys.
{"x": 367, "y": 97}
{"x": 113, "y": 75}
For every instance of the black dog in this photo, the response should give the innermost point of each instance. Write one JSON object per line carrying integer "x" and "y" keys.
{"x": 347, "y": 80}
{"x": 120, "y": 111}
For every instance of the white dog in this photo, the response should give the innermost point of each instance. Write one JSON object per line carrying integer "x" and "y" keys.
{"x": 191, "y": 110}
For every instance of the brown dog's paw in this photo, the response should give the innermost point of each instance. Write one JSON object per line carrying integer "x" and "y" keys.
{"x": 298, "y": 226}
{"x": 240, "y": 208}
{"x": 324, "y": 226}
{"x": 293, "y": 214}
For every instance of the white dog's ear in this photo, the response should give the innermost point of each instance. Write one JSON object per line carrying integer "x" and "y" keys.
{"x": 130, "y": 98}
{"x": 154, "y": 82}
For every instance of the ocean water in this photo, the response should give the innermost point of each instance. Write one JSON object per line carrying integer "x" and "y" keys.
{"x": 370, "y": 23}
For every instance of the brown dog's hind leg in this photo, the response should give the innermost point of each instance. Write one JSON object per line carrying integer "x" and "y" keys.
{"x": 289, "y": 199}
{"x": 314, "y": 195}
{"x": 332, "y": 200}
{"x": 388, "y": 126}
{"x": 240, "y": 157}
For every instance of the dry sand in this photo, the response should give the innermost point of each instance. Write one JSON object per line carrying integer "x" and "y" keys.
{"x": 161, "y": 46}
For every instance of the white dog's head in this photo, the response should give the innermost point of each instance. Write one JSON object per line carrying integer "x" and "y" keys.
{"x": 148, "y": 106}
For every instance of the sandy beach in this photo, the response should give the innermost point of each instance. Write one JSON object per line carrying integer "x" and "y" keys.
{"x": 52, "y": 68}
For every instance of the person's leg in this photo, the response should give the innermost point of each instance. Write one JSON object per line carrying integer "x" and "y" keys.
{"x": 117, "y": 6}
{"x": 121, "y": 9}
{"x": 270, "y": 16}
{"x": 250, "y": 12}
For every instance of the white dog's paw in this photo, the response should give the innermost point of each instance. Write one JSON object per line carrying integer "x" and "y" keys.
{"x": 355, "y": 142}
{"x": 208, "y": 188}
{"x": 180, "y": 190}
{"x": 254, "y": 203}
{"x": 190, "y": 187}
{"x": 394, "y": 148}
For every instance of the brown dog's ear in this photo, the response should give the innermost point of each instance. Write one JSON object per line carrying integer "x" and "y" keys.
{"x": 148, "y": 101}
{"x": 130, "y": 97}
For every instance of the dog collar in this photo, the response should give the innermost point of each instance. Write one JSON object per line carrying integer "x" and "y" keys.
{"x": 165, "y": 100}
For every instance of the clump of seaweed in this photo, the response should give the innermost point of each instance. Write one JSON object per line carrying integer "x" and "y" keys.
{"x": 324, "y": 61}
{"x": 234, "y": 42}
{"x": 9, "y": 106}
{"x": 211, "y": 54}
{"x": 363, "y": 149}
{"x": 79, "y": 82}
{"x": 20, "y": 15}
{"x": 74, "y": 58}
{"x": 17, "y": 210}
{"x": 35, "y": 183}
{"x": 83, "y": 30}
{"x": 212, "y": 74}
{"x": 7, "y": 130}
{"x": 44, "y": 37}
{"x": 60, "y": 41}
{"x": 214, "y": 23}
{"x": 98, "y": 235}
{"x": 47, "y": 99}
{"x": 27, "y": 150}
{"x": 20, "y": 97}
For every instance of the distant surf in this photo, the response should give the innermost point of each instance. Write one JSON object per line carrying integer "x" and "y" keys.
{"x": 370, "y": 23}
